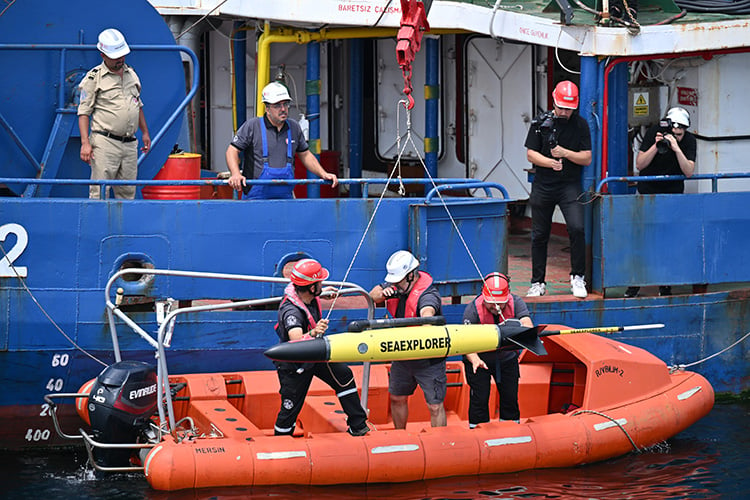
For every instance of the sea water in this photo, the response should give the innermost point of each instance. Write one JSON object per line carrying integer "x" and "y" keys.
{"x": 711, "y": 459}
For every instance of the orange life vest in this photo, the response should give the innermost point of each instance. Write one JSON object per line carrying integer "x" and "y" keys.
{"x": 290, "y": 294}
{"x": 410, "y": 310}
{"x": 487, "y": 318}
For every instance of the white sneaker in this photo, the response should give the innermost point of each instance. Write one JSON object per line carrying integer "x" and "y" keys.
{"x": 578, "y": 286}
{"x": 537, "y": 290}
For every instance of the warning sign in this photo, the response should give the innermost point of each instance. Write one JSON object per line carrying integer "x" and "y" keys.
{"x": 687, "y": 96}
{"x": 640, "y": 104}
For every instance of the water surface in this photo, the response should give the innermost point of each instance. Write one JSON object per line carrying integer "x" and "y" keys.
{"x": 709, "y": 460}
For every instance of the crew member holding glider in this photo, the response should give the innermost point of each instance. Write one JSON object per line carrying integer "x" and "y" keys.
{"x": 409, "y": 293}
{"x": 495, "y": 305}
{"x": 299, "y": 316}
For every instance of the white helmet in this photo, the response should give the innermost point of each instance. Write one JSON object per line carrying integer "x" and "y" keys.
{"x": 680, "y": 116}
{"x": 275, "y": 92}
{"x": 399, "y": 265}
{"x": 112, "y": 44}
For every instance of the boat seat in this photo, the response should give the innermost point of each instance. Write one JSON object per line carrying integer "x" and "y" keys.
{"x": 322, "y": 411}
{"x": 378, "y": 398}
{"x": 456, "y": 397}
{"x": 321, "y": 414}
{"x": 261, "y": 390}
{"x": 566, "y": 386}
{"x": 225, "y": 417}
{"x": 534, "y": 389}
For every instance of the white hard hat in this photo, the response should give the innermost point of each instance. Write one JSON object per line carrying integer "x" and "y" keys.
{"x": 680, "y": 116}
{"x": 112, "y": 44}
{"x": 275, "y": 92}
{"x": 399, "y": 265}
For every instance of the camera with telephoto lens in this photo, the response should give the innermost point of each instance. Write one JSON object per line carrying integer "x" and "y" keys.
{"x": 545, "y": 123}
{"x": 665, "y": 127}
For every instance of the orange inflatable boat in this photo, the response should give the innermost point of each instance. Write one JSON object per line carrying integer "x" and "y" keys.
{"x": 589, "y": 399}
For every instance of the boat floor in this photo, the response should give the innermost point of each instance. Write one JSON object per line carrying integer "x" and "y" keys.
{"x": 253, "y": 397}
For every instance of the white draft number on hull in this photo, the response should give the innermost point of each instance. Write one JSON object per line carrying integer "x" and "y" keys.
{"x": 7, "y": 257}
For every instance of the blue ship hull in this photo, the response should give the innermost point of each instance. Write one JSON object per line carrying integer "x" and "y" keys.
{"x": 74, "y": 246}
{"x": 60, "y": 249}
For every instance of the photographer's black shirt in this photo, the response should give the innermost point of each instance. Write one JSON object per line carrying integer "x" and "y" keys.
{"x": 572, "y": 134}
{"x": 665, "y": 164}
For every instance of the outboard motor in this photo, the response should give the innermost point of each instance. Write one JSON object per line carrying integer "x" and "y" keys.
{"x": 120, "y": 404}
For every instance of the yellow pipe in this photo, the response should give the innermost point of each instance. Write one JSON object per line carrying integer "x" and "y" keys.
{"x": 285, "y": 35}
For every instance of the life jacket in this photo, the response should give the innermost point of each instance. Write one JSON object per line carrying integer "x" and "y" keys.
{"x": 410, "y": 310}
{"x": 290, "y": 294}
{"x": 487, "y": 318}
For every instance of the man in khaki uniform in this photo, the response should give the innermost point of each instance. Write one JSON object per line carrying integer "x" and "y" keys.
{"x": 111, "y": 106}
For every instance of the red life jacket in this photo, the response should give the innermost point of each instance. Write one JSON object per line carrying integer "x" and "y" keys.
{"x": 487, "y": 318}
{"x": 410, "y": 311}
{"x": 290, "y": 294}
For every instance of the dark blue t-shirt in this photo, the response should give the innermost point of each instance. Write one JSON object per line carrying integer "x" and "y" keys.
{"x": 248, "y": 140}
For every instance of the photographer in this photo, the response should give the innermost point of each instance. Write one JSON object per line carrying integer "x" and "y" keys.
{"x": 667, "y": 149}
{"x": 559, "y": 146}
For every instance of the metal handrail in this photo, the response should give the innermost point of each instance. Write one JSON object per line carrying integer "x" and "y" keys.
{"x": 63, "y": 47}
{"x": 451, "y": 183}
{"x": 90, "y": 444}
{"x": 714, "y": 178}
{"x": 53, "y": 410}
{"x": 164, "y": 334}
{"x": 221, "y": 182}
{"x": 469, "y": 184}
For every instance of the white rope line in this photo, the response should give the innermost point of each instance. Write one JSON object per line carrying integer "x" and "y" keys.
{"x": 614, "y": 421}
{"x": 402, "y": 191}
{"x": 377, "y": 206}
{"x": 447, "y": 210}
{"x": 674, "y": 368}
{"x": 41, "y": 308}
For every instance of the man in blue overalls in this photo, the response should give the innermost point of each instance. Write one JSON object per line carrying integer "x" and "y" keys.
{"x": 269, "y": 144}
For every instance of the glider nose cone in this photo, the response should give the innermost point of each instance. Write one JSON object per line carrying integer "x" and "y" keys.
{"x": 299, "y": 350}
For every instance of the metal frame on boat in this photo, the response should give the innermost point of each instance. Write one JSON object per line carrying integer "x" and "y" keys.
{"x": 586, "y": 398}
{"x": 59, "y": 248}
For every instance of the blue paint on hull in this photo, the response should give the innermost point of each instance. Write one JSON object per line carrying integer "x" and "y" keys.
{"x": 234, "y": 341}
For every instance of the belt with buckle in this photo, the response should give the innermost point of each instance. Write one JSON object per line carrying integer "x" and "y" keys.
{"x": 113, "y": 136}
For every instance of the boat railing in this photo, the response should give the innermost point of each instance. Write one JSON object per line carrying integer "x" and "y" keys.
{"x": 89, "y": 442}
{"x": 633, "y": 233}
{"x": 469, "y": 184}
{"x": 67, "y": 107}
{"x": 438, "y": 184}
{"x": 165, "y": 330}
{"x": 714, "y": 178}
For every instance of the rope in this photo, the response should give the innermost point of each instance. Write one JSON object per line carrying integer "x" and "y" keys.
{"x": 410, "y": 140}
{"x": 445, "y": 205}
{"x": 372, "y": 217}
{"x": 674, "y": 368}
{"x": 41, "y": 308}
{"x": 635, "y": 447}
{"x": 402, "y": 192}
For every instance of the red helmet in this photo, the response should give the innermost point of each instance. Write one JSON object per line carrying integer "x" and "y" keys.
{"x": 565, "y": 95}
{"x": 496, "y": 289}
{"x": 308, "y": 271}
